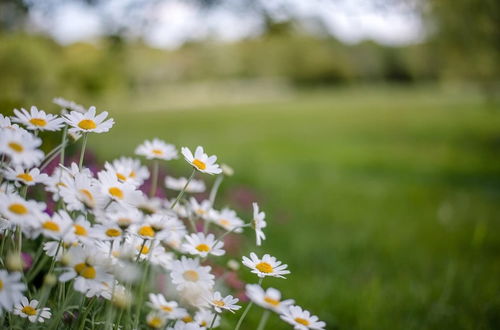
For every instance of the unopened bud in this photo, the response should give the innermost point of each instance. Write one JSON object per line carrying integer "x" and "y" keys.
{"x": 14, "y": 262}
{"x": 227, "y": 170}
{"x": 65, "y": 259}
{"x": 233, "y": 264}
{"x": 50, "y": 280}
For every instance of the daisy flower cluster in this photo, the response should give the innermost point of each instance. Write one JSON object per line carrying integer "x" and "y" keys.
{"x": 99, "y": 249}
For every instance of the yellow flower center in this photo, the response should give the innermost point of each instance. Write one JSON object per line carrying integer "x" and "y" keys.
{"x": 61, "y": 184}
{"x": 166, "y": 308}
{"x": 155, "y": 322}
{"x": 157, "y": 152}
{"x": 87, "y": 194}
{"x": 224, "y": 222}
{"x": 17, "y": 208}
{"x": 1, "y": 284}
{"x": 203, "y": 248}
{"x": 80, "y": 230}
{"x": 132, "y": 174}
{"x": 302, "y": 321}
{"x": 112, "y": 232}
{"x": 191, "y": 275}
{"x": 87, "y": 124}
{"x": 16, "y": 147}
{"x": 271, "y": 301}
{"x": 121, "y": 177}
{"x": 85, "y": 270}
{"x": 146, "y": 231}
{"x": 218, "y": 303}
{"x": 142, "y": 249}
{"x": 264, "y": 267}
{"x": 51, "y": 225}
{"x": 203, "y": 323}
{"x": 187, "y": 319}
{"x": 116, "y": 192}
{"x": 28, "y": 310}
{"x": 38, "y": 122}
{"x": 199, "y": 164}
{"x": 25, "y": 177}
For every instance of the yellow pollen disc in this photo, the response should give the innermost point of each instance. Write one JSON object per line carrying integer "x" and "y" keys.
{"x": 87, "y": 194}
{"x": 115, "y": 254}
{"x": 203, "y": 248}
{"x": 199, "y": 164}
{"x": 200, "y": 211}
{"x": 17, "y": 208}
{"x": 16, "y": 147}
{"x": 80, "y": 230}
{"x": 85, "y": 270}
{"x": 224, "y": 222}
{"x": 87, "y": 124}
{"x": 25, "y": 177}
{"x": 132, "y": 174}
{"x": 51, "y": 225}
{"x": 203, "y": 323}
{"x": 191, "y": 275}
{"x": 116, "y": 192}
{"x": 157, "y": 152}
{"x": 187, "y": 319}
{"x": 112, "y": 232}
{"x": 302, "y": 321}
{"x": 167, "y": 308}
{"x": 1, "y": 284}
{"x": 146, "y": 231}
{"x": 61, "y": 184}
{"x": 121, "y": 177}
{"x": 28, "y": 310}
{"x": 271, "y": 301}
{"x": 155, "y": 322}
{"x": 264, "y": 267}
{"x": 143, "y": 250}
{"x": 38, "y": 122}
{"x": 218, "y": 303}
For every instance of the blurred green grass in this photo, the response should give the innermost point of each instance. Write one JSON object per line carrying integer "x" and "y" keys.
{"x": 384, "y": 202}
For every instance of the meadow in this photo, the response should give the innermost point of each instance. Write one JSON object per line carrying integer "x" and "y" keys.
{"x": 384, "y": 202}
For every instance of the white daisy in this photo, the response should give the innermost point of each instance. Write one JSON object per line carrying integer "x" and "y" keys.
{"x": 88, "y": 121}
{"x": 258, "y": 223}
{"x": 203, "y": 245}
{"x": 21, "y": 147}
{"x": 201, "y": 161}
{"x": 109, "y": 231}
{"x": 202, "y": 209}
{"x": 11, "y": 288}
{"x": 195, "y": 186}
{"x": 204, "y": 317}
{"x": 170, "y": 309}
{"x": 27, "y": 177}
{"x": 156, "y": 320}
{"x": 270, "y": 299}
{"x": 38, "y": 120}
{"x": 30, "y": 310}
{"x": 18, "y": 210}
{"x": 267, "y": 266}
{"x": 115, "y": 190}
{"x": 157, "y": 149}
{"x": 302, "y": 319}
{"x": 57, "y": 180}
{"x": 180, "y": 325}
{"x": 187, "y": 272}
{"x": 219, "y": 303}
{"x": 68, "y": 105}
{"x": 57, "y": 226}
{"x": 227, "y": 219}
{"x": 128, "y": 170}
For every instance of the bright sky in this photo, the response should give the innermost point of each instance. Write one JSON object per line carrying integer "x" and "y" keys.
{"x": 172, "y": 22}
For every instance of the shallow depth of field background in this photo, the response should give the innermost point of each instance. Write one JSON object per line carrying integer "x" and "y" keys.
{"x": 378, "y": 166}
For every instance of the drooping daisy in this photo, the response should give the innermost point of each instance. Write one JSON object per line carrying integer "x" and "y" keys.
{"x": 187, "y": 271}
{"x": 204, "y": 317}
{"x": 18, "y": 210}
{"x": 220, "y": 303}
{"x": 38, "y": 120}
{"x": 258, "y": 223}
{"x": 68, "y": 105}
{"x": 201, "y": 161}
{"x": 88, "y": 122}
{"x": 128, "y": 170}
{"x": 267, "y": 266}
{"x": 227, "y": 219}
{"x": 11, "y": 290}
{"x": 29, "y": 309}
{"x": 302, "y": 319}
{"x": 26, "y": 177}
{"x": 157, "y": 149}
{"x": 203, "y": 245}
{"x": 270, "y": 298}
{"x": 195, "y": 186}
{"x": 170, "y": 309}
{"x": 21, "y": 147}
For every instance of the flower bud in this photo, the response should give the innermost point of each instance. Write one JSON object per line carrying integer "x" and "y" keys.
{"x": 227, "y": 170}
{"x": 233, "y": 264}
{"x": 14, "y": 262}
{"x": 50, "y": 280}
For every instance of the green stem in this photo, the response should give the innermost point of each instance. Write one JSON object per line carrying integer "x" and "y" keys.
{"x": 213, "y": 321}
{"x": 263, "y": 320}
{"x": 84, "y": 145}
{"x": 229, "y": 232}
{"x": 215, "y": 188}
{"x": 245, "y": 312}
{"x": 63, "y": 144}
{"x": 183, "y": 190}
{"x": 154, "y": 179}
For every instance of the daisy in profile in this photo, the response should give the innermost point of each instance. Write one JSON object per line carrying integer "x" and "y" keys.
{"x": 302, "y": 319}
{"x": 201, "y": 161}
{"x": 170, "y": 309}
{"x": 258, "y": 223}
{"x": 68, "y": 105}
{"x": 195, "y": 186}
{"x": 157, "y": 149}
{"x": 202, "y": 209}
{"x": 128, "y": 170}
{"x": 220, "y": 303}
{"x": 81, "y": 191}
{"x": 31, "y": 311}
{"x": 270, "y": 298}
{"x": 204, "y": 317}
{"x": 21, "y": 147}
{"x": 265, "y": 266}
{"x": 26, "y": 177}
{"x": 227, "y": 219}
{"x": 203, "y": 245}
{"x": 38, "y": 120}
{"x": 88, "y": 122}
{"x": 11, "y": 290}
{"x": 187, "y": 271}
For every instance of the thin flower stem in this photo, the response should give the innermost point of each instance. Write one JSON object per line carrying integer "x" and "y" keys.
{"x": 49, "y": 160}
{"x": 263, "y": 320}
{"x": 229, "y": 232}
{"x": 245, "y": 312}
{"x": 154, "y": 179}
{"x": 183, "y": 189}
{"x": 215, "y": 188}
{"x": 213, "y": 321}
{"x": 63, "y": 144}
{"x": 84, "y": 145}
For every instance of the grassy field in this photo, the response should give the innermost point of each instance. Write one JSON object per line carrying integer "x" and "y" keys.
{"x": 384, "y": 203}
